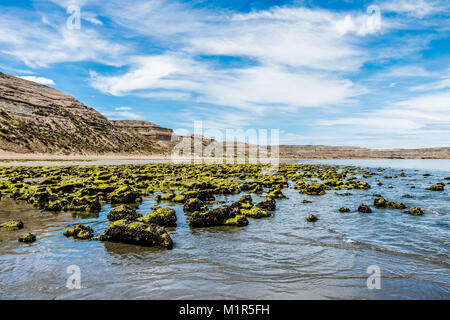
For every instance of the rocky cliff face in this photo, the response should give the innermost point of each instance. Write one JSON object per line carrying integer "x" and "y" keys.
{"x": 148, "y": 129}
{"x": 37, "y": 118}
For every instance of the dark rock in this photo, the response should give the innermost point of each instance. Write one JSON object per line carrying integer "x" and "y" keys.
{"x": 415, "y": 211}
{"x": 165, "y": 217}
{"x": 311, "y": 218}
{"x": 268, "y": 204}
{"x": 28, "y": 238}
{"x": 12, "y": 225}
{"x": 437, "y": 187}
{"x": 123, "y": 212}
{"x": 81, "y": 232}
{"x": 215, "y": 217}
{"x": 193, "y": 205}
{"x": 364, "y": 208}
{"x": 137, "y": 232}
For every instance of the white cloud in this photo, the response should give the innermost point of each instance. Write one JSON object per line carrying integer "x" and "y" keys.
{"x": 123, "y": 109}
{"x": 415, "y": 8}
{"x": 425, "y": 120}
{"x": 40, "y": 80}
{"x": 39, "y": 44}
{"x": 117, "y": 115}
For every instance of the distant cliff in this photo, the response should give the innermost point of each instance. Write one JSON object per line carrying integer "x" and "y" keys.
{"x": 38, "y": 119}
{"x": 147, "y": 129}
{"x": 339, "y": 152}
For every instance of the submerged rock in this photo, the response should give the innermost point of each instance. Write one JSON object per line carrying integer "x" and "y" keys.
{"x": 437, "y": 187}
{"x": 123, "y": 212}
{"x": 81, "y": 232}
{"x": 165, "y": 217}
{"x": 311, "y": 218}
{"x": 217, "y": 217}
{"x": 344, "y": 209}
{"x": 415, "y": 211}
{"x": 306, "y": 201}
{"x": 268, "y": 204}
{"x": 137, "y": 232}
{"x": 28, "y": 238}
{"x": 12, "y": 225}
{"x": 363, "y": 208}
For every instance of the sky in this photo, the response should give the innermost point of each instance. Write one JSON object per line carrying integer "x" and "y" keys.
{"x": 358, "y": 73}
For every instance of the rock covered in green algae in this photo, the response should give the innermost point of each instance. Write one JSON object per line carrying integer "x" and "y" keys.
{"x": 137, "y": 232}
{"x": 268, "y": 204}
{"x": 193, "y": 205}
{"x": 415, "y": 211}
{"x": 81, "y": 232}
{"x": 84, "y": 204}
{"x": 363, "y": 208}
{"x": 125, "y": 194}
{"x": 437, "y": 187}
{"x": 28, "y": 238}
{"x": 276, "y": 194}
{"x": 237, "y": 221}
{"x": 384, "y": 204}
{"x": 344, "y": 209}
{"x": 165, "y": 217}
{"x": 311, "y": 218}
{"x": 306, "y": 201}
{"x": 12, "y": 225}
{"x": 256, "y": 213}
{"x": 123, "y": 212}
{"x": 217, "y": 217}
{"x": 203, "y": 195}
{"x": 245, "y": 202}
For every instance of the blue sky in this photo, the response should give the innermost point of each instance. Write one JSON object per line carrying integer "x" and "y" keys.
{"x": 361, "y": 73}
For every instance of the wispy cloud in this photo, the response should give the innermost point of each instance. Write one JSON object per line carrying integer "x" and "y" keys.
{"x": 40, "y": 80}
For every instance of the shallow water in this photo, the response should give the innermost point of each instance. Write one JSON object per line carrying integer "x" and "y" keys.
{"x": 282, "y": 257}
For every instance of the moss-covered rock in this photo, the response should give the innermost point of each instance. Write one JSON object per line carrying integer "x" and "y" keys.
{"x": 81, "y": 232}
{"x": 214, "y": 217}
{"x": 137, "y": 232}
{"x": 237, "y": 221}
{"x": 384, "y": 204}
{"x": 28, "y": 238}
{"x": 256, "y": 213}
{"x": 344, "y": 209}
{"x": 415, "y": 211}
{"x": 245, "y": 202}
{"x": 123, "y": 212}
{"x": 363, "y": 208}
{"x": 437, "y": 187}
{"x": 276, "y": 194}
{"x": 268, "y": 204}
{"x": 193, "y": 205}
{"x": 125, "y": 194}
{"x": 165, "y": 217}
{"x": 311, "y": 218}
{"x": 12, "y": 225}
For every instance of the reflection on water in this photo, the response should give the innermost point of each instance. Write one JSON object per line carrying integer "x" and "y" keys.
{"x": 282, "y": 257}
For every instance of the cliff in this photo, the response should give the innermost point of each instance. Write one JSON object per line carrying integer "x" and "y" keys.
{"x": 38, "y": 119}
{"x": 147, "y": 129}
